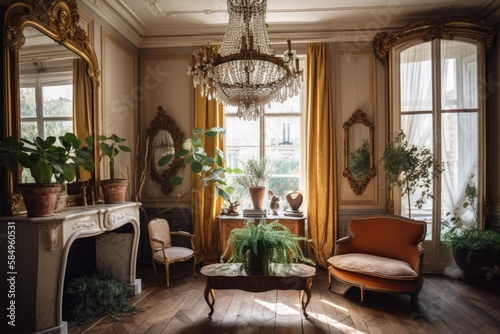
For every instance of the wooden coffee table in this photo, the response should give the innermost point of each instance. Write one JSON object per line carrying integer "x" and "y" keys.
{"x": 280, "y": 277}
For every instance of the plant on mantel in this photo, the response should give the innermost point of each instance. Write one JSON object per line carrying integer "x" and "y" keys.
{"x": 110, "y": 147}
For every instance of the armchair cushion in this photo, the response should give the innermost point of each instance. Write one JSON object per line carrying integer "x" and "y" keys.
{"x": 374, "y": 266}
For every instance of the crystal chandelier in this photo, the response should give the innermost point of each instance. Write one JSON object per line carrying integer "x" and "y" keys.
{"x": 244, "y": 72}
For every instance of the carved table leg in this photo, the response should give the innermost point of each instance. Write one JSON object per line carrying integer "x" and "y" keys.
{"x": 306, "y": 292}
{"x": 210, "y": 291}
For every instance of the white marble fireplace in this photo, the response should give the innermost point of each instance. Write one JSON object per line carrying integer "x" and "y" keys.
{"x": 42, "y": 246}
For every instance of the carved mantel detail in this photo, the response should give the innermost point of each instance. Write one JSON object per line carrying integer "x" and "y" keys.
{"x": 50, "y": 234}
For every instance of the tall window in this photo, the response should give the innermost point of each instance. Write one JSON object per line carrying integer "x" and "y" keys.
{"x": 46, "y": 107}
{"x": 278, "y": 136}
{"x": 438, "y": 107}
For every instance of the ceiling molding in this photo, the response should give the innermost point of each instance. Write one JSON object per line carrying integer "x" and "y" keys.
{"x": 114, "y": 20}
{"x": 276, "y": 39}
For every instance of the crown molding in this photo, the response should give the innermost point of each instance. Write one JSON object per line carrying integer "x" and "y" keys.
{"x": 107, "y": 14}
{"x": 276, "y": 39}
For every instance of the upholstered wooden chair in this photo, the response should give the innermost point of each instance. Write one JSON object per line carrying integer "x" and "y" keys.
{"x": 161, "y": 246}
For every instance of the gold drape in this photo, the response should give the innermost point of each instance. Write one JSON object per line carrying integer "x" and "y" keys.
{"x": 205, "y": 205}
{"x": 82, "y": 105}
{"x": 321, "y": 159}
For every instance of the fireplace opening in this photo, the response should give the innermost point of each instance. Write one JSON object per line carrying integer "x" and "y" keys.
{"x": 81, "y": 262}
{"x": 109, "y": 251}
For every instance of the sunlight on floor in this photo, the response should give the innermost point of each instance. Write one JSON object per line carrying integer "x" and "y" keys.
{"x": 280, "y": 308}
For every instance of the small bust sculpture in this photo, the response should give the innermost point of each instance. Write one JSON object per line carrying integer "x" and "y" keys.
{"x": 274, "y": 203}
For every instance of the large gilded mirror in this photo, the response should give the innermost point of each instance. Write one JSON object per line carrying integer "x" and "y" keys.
{"x": 164, "y": 137}
{"x": 359, "y": 165}
{"x": 49, "y": 60}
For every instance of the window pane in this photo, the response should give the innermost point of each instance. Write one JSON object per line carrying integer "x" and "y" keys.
{"x": 282, "y": 131}
{"x": 458, "y": 75}
{"x": 416, "y": 78}
{"x": 29, "y": 130}
{"x": 460, "y": 155}
{"x": 28, "y": 102}
{"x": 57, "y": 100}
{"x": 57, "y": 128}
{"x": 418, "y": 130}
{"x": 290, "y": 105}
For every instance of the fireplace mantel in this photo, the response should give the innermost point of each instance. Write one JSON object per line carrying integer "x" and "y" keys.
{"x": 41, "y": 250}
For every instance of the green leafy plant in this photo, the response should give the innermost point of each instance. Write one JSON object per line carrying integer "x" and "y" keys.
{"x": 274, "y": 240}
{"x": 80, "y": 155}
{"x": 473, "y": 241}
{"x": 410, "y": 169}
{"x": 208, "y": 169}
{"x": 42, "y": 157}
{"x": 359, "y": 162}
{"x": 97, "y": 296}
{"x": 253, "y": 173}
{"x": 111, "y": 147}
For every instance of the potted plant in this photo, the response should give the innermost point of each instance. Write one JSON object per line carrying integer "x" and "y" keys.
{"x": 209, "y": 169}
{"x": 81, "y": 157}
{"x": 258, "y": 245}
{"x": 472, "y": 248}
{"x": 48, "y": 163}
{"x": 114, "y": 190}
{"x": 410, "y": 168}
{"x": 253, "y": 177}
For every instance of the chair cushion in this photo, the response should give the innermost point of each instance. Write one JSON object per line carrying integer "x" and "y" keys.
{"x": 173, "y": 253}
{"x": 374, "y": 266}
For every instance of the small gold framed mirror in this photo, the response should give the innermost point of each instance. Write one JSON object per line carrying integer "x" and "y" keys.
{"x": 164, "y": 137}
{"x": 359, "y": 165}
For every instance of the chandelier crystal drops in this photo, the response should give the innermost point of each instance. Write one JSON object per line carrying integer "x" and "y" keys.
{"x": 244, "y": 72}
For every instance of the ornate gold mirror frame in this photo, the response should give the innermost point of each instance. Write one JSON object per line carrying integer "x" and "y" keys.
{"x": 164, "y": 137}
{"x": 359, "y": 166}
{"x": 59, "y": 21}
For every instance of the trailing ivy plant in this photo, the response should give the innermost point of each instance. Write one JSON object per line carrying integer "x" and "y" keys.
{"x": 273, "y": 239}
{"x": 410, "y": 169}
{"x": 99, "y": 295}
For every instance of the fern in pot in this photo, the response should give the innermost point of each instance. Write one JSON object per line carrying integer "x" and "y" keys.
{"x": 257, "y": 245}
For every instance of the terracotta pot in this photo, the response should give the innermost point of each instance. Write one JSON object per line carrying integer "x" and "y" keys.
{"x": 114, "y": 191}
{"x": 39, "y": 198}
{"x": 257, "y": 195}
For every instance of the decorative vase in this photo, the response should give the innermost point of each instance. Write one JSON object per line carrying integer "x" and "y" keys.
{"x": 294, "y": 199}
{"x": 39, "y": 198}
{"x": 257, "y": 195}
{"x": 114, "y": 191}
{"x": 255, "y": 262}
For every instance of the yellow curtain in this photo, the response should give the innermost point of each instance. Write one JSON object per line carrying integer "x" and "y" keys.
{"x": 205, "y": 205}
{"x": 321, "y": 159}
{"x": 82, "y": 105}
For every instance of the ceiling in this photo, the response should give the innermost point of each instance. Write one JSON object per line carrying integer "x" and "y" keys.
{"x": 153, "y": 23}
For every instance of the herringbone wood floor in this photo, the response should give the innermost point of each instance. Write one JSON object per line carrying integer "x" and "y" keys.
{"x": 446, "y": 306}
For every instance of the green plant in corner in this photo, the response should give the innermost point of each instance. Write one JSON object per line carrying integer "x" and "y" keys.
{"x": 111, "y": 147}
{"x": 273, "y": 241}
{"x": 410, "y": 168}
{"x": 208, "y": 169}
{"x": 464, "y": 236}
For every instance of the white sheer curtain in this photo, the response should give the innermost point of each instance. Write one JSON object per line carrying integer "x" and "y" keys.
{"x": 416, "y": 108}
{"x": 459, "y": 126}
{"x": 459, "y": 132}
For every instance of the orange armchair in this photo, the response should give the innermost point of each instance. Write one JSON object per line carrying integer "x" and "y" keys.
{"x": 381, "y": 254}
